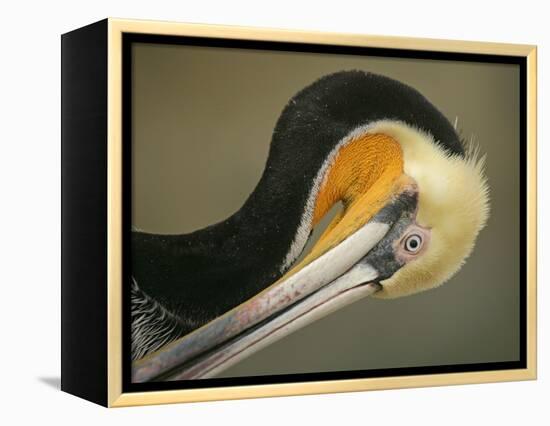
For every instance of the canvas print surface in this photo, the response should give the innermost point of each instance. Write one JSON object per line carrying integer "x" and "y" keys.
{"x": 297, "y": 213}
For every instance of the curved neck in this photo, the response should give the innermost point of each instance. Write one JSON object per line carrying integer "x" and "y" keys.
{"x": 358, "y": 171}
{"x": 363, "y": 175}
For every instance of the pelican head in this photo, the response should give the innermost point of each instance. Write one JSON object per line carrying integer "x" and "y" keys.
{"x": 452, "y": 208}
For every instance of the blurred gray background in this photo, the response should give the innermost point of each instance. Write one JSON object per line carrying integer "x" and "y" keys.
{"x": 202, "y": 123}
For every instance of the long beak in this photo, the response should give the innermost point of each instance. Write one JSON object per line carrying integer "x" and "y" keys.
{"x": 338, "y": 277}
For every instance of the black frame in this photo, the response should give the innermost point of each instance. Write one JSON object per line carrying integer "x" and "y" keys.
{"x": 84, "y": 212}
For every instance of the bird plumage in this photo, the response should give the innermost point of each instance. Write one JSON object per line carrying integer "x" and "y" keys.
{"x": 193, "y": 278}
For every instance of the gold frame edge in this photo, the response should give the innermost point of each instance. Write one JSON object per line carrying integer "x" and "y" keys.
{"x": 116, "y": 27}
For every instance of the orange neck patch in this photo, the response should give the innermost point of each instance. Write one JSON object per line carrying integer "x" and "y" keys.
{"x": 366, "y": 173}
{"x": 367, "y": 164}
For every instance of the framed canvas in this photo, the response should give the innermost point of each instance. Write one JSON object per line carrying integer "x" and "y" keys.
{"x": 254, "y": 212}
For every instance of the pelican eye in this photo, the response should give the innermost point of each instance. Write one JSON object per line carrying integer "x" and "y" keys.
{"x": 413, "y": 243}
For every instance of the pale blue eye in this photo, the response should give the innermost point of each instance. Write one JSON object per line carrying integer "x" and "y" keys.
{"x": 413, "y": 243}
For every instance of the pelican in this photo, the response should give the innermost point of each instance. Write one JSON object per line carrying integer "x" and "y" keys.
{"x": 414, "y": 199}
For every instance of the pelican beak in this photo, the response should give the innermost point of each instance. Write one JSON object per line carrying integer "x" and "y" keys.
{"x": 337, "y": 275}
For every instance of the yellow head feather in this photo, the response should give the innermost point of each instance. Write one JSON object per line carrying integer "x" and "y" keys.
{"x": 453, "y": 202}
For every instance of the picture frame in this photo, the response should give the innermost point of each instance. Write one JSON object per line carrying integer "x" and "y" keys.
{"x": 101, "y": 80}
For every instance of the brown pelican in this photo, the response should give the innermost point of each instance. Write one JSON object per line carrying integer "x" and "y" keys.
{"x": 414, "y": 199}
